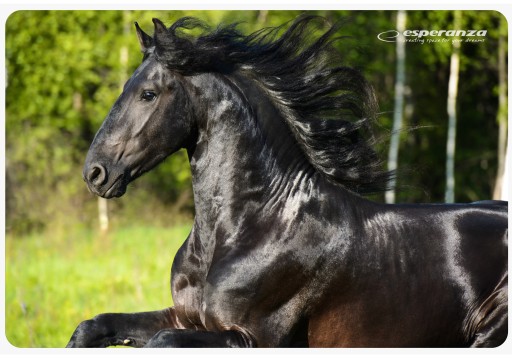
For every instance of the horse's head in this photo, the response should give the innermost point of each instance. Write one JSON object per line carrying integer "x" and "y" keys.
{"x": 148, "y": 122}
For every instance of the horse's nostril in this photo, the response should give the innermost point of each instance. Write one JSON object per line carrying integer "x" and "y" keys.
{"x": 97, "y": 174}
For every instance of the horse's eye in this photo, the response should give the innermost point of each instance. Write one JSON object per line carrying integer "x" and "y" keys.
{"x": 148, "y": 96}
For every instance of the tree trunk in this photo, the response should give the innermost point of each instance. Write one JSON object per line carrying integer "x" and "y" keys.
{"x": 502, "y": 114}
{"x": 399, "y": 104}
{"x": 453, "y": 82}
{"x": 262, "y": 17}
{"x": 103, "y": 216}
{"x": 507, "y": 179}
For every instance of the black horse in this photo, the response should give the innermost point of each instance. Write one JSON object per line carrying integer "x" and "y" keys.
{"x": 284, "y": 251}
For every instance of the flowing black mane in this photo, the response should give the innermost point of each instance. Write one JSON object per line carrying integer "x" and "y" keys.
{"x": 328, "y": 107}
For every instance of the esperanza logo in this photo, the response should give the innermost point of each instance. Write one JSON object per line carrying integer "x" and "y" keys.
{"x": 415, "y": 35}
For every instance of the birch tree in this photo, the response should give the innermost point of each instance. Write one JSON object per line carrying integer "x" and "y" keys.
{"x": 453, "y": 83}
{"x": 399, "y": 104}
{"x": 502, "y": 112}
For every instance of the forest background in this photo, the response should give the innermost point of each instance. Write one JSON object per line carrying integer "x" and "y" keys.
{"x": 65, "y": 69}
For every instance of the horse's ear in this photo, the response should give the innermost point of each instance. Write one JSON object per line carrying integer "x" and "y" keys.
{"x": 159, "y": 26}
{"x": 160, "y": 35}
{"x": 145, "y": 40}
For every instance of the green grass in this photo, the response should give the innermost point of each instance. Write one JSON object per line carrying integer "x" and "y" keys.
{"x": 53, "y": 283}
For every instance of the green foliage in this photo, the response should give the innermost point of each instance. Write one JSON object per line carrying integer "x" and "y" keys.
{"x": 66, "y": 68}
{"x": 55, "y": 282}
{"x": 423, "y": 150}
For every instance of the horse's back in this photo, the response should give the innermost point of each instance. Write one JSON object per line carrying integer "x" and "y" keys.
{"x": 483, "y": 248}
{"x": 455, "y": 272}
{"x": 499, "y": 203}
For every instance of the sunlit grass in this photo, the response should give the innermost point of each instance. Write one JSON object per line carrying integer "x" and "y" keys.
{"x": 53, "y": 283}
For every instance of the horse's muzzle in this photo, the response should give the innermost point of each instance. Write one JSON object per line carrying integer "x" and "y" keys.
{"x": 104, "y": 183}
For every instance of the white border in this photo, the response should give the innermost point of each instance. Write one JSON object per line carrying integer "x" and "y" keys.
{"x": 8, "y": 7}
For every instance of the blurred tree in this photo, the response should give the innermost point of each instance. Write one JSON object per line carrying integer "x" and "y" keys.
{"x": 451, "y": 108}
{"x": 401, "y": 20}
{"x": 502, "y": 116}
{"x": 428, "y": 73}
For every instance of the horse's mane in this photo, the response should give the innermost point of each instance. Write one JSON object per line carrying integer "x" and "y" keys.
{"x": 328, "y": 107}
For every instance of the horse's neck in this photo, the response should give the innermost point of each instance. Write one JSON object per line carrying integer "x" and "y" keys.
{"x": 245, "y": 159}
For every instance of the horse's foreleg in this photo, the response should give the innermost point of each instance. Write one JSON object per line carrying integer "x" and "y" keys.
{"x": 186, "y": 338}
{"x": 128, "y": 329}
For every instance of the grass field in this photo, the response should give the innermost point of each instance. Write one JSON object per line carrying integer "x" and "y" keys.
{"x": 53, "y": 283}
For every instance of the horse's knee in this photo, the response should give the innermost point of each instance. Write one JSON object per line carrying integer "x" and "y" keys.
{"x": 84, "y": 335}
{"x": 91, "y": 333}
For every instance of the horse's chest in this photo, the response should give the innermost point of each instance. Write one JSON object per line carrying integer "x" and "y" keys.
{"x": 187, "y": 292}
{"x": 211, "y": 304}
{"x": 204, "y": 296}
{"x": 229, "y": 292}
